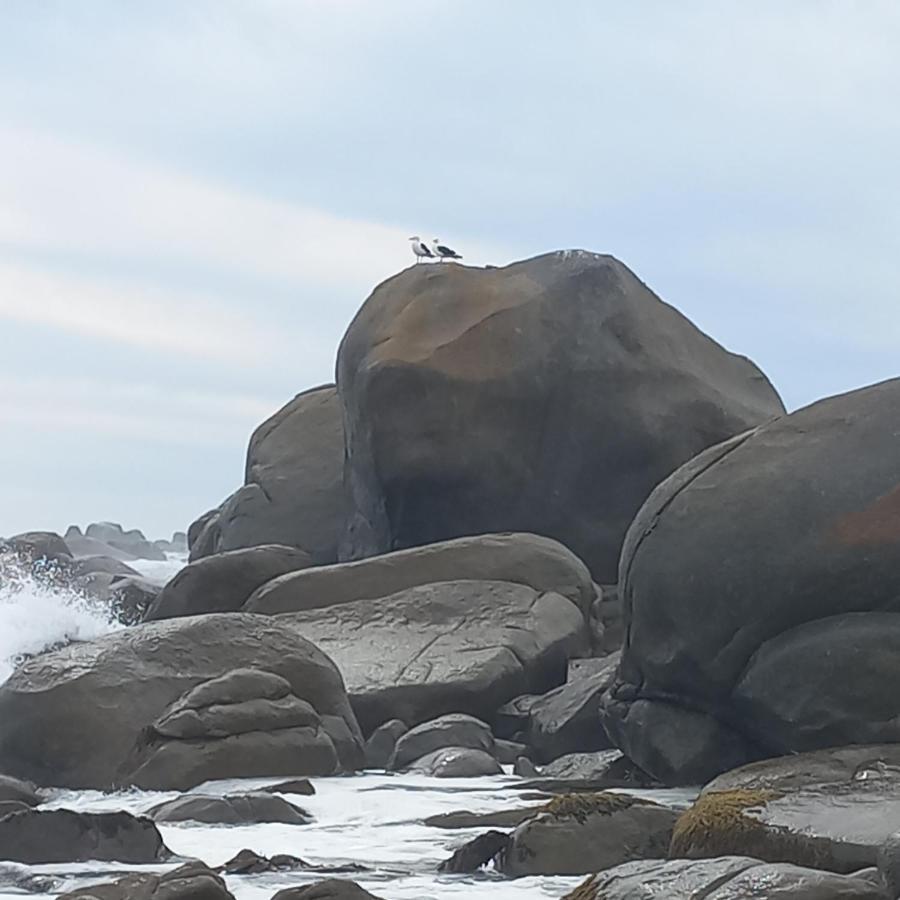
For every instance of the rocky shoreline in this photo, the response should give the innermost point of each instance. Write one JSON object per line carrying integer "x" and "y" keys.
{"x": 544, "y": 531}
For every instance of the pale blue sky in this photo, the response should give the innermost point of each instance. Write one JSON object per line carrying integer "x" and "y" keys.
{"x": 196, "y": 196}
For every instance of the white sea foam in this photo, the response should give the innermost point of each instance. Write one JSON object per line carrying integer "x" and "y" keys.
{"x": 36, "y": 615}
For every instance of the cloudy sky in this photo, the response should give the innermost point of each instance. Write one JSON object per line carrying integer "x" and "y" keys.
{"x": 196, "y": 196}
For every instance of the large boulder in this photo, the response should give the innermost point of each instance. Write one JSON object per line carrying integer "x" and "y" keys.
{"x": 223, "y": 582}
{"x": 245, "y": 724}
{"x": 453, "y": 730}
{"x": 62, "y": 835}
{"x": 453, "y": 646}
{"x": 725, "y": 878}
{"x": 539, "y": 562}
{"x": 548, "y": 396}
{"x": 293, "y": 492}
{"x": 761, "y": 588}
{"x": 72, "y": 717}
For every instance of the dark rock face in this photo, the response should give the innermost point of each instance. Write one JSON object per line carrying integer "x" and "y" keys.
{"x": 301, "y": 786}
{"x": 381, "y": 743}
{"x": 761, "y": 587}
{"x": 453, "y": 730}
{"x": 329, "y": 889}
{"x": 192, "y": 881}
{"x": 18, "y": 791}
{"x": 538, "y": 562}
{"x": 594, "y": 771}
{"x": 293, "y": 492}
{"x": 223, "y": 582}
{"x": 61, "y": 835}
{"x": 577, "y": 833}
{"x": 446, "y": 647}
{"x": 472, "y": 404}
{"x": 72, "y": 717}
{"x": 475, "y": 853}
{"x": 457, "y": 762}
{"x": 238, "y": 809}
{"x": 726, "y": 878}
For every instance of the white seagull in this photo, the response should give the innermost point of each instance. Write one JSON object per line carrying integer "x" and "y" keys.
{"x": 420, "y": 248}
{"x": 443, "y": 252}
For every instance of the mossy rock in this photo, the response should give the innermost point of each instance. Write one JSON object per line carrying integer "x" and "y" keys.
{"x": 580, "y": 806}
{"x": 722, "y": 823}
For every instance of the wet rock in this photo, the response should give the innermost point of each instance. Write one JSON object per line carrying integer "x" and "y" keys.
{"x": 470, "y": 403}
{"x": 455, "y": 646}
{"x": 507, "y": 752}
{"x": 223, "y": 582}
{"x": 579, "y": 832}
{"x": 293, "y": 492}
{"x": 382, "y": 742}
{"x": 725, "y": 878}
{"x": 235, "y": 809}
{"x": 69, "y": 716}
{"x": 591, "y": 771}
{"x": 525, "y": 768}
{"x": 11, "y": 806}
{"x": 476, "y": 853}
{"x": 456, "y": 762}
{"x": 246, "y": 723}
{"x": 532, "y": 560}
{"x": 503, "y": 818}
{"x": 46, "y": 546}
{"x": 329, "y": 889}
{"x": 105, "y": 565}
{"x": 249, "y": 862}
{"x": 192, "y": 881}
{"x": 16, "y": 878}
{"x": 61, "y": 835}
{"x": 301, "y": 786}
{"x": 14, "y": 789}
{"x": 567, "y": 719}
{"x": 801, "y": 538}
{"x": 453, "y": 730}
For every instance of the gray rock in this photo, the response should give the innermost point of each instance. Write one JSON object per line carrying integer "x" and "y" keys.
{"x": 192, "y": 881}
{"x": 471, "y": 403}
{"x": 595, "y": 771}
{"x": 525, "y": 768}
{"x": 567, "y": 719}
{"x": 73, "y": 716}
{"x": 61, "y": 835}
{"x": 761, "y": 589}
{"x": 14, "y": 789}
{"x": 507, "y": 752}
{"x": 203, "y": 534}
{"x": 725, "y": 878}
{"x": 456, "y": 762}
{"x": 381, "y": 743}
{"x": 476, "y": 853}
{"x": 106, "y": 565}
{"x": 579, "y": 833}
{"x": 329, "y": 889}
{"x": 86, "y": 547}
{"x": 39, "y": 545}
{"x": 503, "y": 818}
{"x": 223, "y": 582}
{"x": 540, "y": 563}
{"x": 301, "y": 786}
{"x": 461, "y": 646}
{"x": 453, "y": 730}
{"x": 237, "y": 809}
{"x": 293, "y": 492}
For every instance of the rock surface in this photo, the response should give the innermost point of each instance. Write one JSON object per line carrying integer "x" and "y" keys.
{"x": 456, "y": 646}
{"x": 382, "y": 742}
{"x": 72, "y": 717}
{"x": 61, "y": 835}
{"x": 329, "y": 889}
{"x": 761, "y": 587}
{"x": 192, "y": 881}
{"x": 293, "y": 492}
{"x": 222, "y": 583}
{"x": 528, "y": 559}
{"x": 579, "y": 832}
{"x": 726, "y": 878}
{"x": 452, "y": 730}
{"x": 471, "y": 403}
{"x": 457, "y": 762}
{"x": 18, "y": 791}
{"x": 237, "y": 809}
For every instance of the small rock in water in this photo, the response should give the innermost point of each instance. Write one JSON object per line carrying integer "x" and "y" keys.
{"x": 329, "y": 889}
{"x": 238, "y": 809}
{"x": 249, "y": 862}
{"x": 296, "y": 786}
{"x": 192, "y": 881}
{"x": 476, "y": 853}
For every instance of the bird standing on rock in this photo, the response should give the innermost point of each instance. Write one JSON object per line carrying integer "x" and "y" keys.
{"x": 420, "y": 248}
{"x": 443, "y": 252}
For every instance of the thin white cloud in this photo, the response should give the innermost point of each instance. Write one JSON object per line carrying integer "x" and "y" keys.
{"x": 178, "y": 322}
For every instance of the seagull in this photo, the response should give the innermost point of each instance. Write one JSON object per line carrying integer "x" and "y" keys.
{"x": 442, "y": 252}
{"x": 420, "y": 248}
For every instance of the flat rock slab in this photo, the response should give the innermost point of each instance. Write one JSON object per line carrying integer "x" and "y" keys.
{"x": 61, "y": 835}
{"x": 237, "y": 809}
{"x": 456, "y": 646}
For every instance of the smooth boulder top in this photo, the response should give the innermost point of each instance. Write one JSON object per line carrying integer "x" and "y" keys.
{"x": 539, "y": 562}
{"x": 547, "y": 396}
{"x": 223, "y": 582}
{"x": 452, "y": 730}
{"x": 238, "y": 809}
{"x": 453, "y": 646}
{"x": 761, "y": 588}
{"x": 72, "y": 717}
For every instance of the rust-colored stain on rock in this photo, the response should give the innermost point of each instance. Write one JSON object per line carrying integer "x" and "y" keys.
{"x": 878, "y": 524}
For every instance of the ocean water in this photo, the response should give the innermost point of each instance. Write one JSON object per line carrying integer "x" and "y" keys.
{"x": 371, "y": 819}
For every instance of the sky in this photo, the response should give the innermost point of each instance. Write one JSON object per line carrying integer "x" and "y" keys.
{"x": 197, "y": 195}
